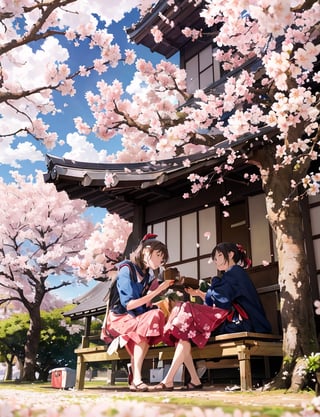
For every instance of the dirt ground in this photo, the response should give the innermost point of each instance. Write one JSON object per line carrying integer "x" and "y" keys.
{"x": 211, "y": 396}
{"x": 214, "y": 396}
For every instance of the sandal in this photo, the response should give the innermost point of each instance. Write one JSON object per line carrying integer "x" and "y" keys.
{"x": 142, "y": 387}
{"x": 192, "y": 387}
{"x": 161, "y": 387}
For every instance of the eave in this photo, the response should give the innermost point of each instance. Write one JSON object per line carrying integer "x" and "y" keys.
{"x": 173, "y": 40}
{"x": 137, "y": 184}
{"x": 134, "y": 184}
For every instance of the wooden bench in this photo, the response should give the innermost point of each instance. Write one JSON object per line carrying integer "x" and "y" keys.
{"x": 240, "y": 347}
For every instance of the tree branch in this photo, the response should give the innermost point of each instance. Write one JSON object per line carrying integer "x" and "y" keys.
{"x": 47, "y": 9}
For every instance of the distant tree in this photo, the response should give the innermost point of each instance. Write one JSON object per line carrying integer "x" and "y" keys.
{"x": 13, "y": 334}
{"x": 59, "y": 338}
{"x": 40, "y": 230}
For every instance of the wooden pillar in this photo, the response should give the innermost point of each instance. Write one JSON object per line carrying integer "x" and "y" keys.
{"x": 312, "y": 268}
{"x": 138, "y": 230}
{"x": 87, "y": 331}
{"x": 139, "y": 224}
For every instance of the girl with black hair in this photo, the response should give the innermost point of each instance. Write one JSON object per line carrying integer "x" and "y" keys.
{"x": 231, "y": 305}
{"x": 235, "y": 291}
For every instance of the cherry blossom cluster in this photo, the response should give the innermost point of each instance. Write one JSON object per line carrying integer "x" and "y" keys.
{"x": 38, "y": 39}
{"x": 103, "y": 248}
{"x": 142, "y": 121}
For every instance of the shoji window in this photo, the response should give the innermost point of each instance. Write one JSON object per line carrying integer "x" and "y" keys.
{"x": 160, "y": 230}
{"x": 207, "y": 241}
{"x": 190, "y": 239}
{"x": 202, "y": 70}
{"x": 189, "y": 236}
{"x": 192, "y": 69}
{"x": 173, "y": 239}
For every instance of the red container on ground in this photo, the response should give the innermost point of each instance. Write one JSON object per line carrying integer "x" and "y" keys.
{"x": 63, "y": 378}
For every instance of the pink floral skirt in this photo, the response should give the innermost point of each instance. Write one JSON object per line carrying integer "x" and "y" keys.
{"x": 134, "y": 330}
{"x": 193, "y": 322}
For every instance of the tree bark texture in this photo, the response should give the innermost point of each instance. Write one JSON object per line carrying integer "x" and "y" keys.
{"x": 296, "y": 308}
{"x": 32, "y": 344}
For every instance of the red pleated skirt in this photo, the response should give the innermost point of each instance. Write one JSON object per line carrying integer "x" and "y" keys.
{"x": 193, "y": 322}
{"x": 134, "y": 330}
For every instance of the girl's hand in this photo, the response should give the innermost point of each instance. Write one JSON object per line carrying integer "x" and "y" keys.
{"x": 191, "y": 291}
{"x": 162, "y": 288}
{"x": 166, "y": 284}
{"x": 195, "y": 293}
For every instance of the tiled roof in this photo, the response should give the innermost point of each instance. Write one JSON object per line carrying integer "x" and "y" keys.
{"x": 93, "y": 303}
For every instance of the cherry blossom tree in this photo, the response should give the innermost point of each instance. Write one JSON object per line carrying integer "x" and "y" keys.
{"x": 40, "y": 230}
{"x": 276, "y": 108}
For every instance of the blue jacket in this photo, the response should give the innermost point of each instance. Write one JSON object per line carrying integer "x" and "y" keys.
{"x": 130, "y": 289}
{"x": 235, "y": 285}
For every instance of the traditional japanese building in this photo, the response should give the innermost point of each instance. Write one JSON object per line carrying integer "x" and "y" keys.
{"x": 150, "y": 195}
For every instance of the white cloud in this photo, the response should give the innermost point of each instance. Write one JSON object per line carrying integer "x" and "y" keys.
{"x": 115, "y": 10}
{"x": 136, "y": 85}
{"x": 22, "y": 152}
{"x": 108, "y": 11}
{"x": 82, "y": 150}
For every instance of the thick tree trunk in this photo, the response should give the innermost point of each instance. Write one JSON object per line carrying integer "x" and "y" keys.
{"x": 297, "y": 313}
{"x": 31, "y": 345}
{"x": 296, "y": 308}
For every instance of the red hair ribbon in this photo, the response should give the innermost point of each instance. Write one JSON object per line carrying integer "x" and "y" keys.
{"x": 247, "y": 260}
{"x": 240, "y": 248}
{"x": 148, "y": 236}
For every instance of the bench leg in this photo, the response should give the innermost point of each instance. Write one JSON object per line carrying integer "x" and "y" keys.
{"x": 80, "y": 373}
{"x": 114, "y": 367}
{"x": 245, "y": 368}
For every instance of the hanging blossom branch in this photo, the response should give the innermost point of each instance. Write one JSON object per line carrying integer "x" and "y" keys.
{"x": 47, "y": 22}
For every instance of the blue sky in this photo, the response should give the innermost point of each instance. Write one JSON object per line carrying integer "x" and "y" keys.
{"x": 62, "y": 123}
{"x": 71, "y": 107}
